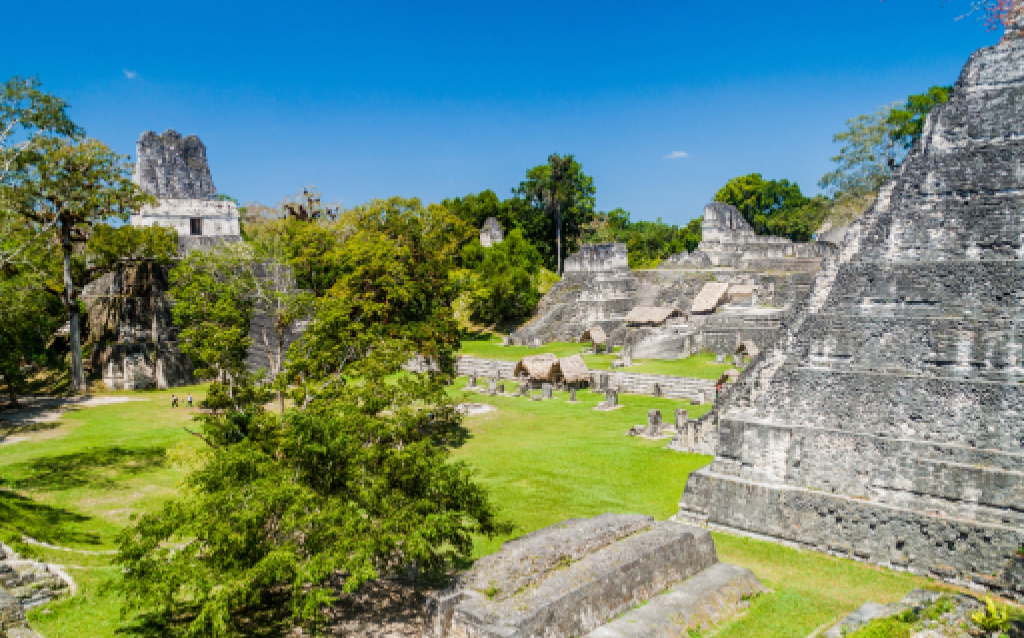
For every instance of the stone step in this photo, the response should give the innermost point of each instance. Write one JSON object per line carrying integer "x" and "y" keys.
{"x": 712, "y": 596}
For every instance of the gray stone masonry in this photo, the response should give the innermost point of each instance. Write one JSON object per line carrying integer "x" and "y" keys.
{"x": 653, "y": 423}
{"x": 572, "y": 394}
{"x": 699, "y": 603}
{"x": 172, "y": 167}
{"x": 546, "y": 391}
{"x": 501, "y": 387}
{"x": 570, "y": 578}
{"x": 886, "y": 422}
{"x": 524, "y": 389}
{"x": 682, "y": 416}
{"x": 471, "y": 382}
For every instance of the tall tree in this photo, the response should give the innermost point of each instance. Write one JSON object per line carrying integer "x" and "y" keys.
{"x": 867, "y": 158}
{"x": 26, "y": 114}
{"x": 213, "y": 305}
{"x": 565, "y": 193}
{"x": 69, "y": 186}
{"x": 505, "y": 279}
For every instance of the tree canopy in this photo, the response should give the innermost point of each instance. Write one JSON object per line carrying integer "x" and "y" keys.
{"x": 352, "y": 483}
{"x": 773, "y": 207}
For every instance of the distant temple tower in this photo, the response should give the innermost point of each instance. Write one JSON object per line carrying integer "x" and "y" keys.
{"x": 174, "y": 170}
{"x": 491, "y": 234}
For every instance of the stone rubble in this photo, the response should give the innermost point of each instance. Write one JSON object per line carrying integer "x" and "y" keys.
{"x": 25, "y": 584}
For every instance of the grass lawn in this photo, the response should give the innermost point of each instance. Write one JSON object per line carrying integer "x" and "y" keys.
{"x": 76, "y": 484}
{"x": 699, "y": 366}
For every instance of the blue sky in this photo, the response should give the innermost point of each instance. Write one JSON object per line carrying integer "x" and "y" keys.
{"x": 440, "y": 99}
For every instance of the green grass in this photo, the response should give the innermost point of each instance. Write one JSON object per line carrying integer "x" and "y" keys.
{"x": 76, "y": 483}
{"x": 543, "y": 462}
{"x": 699, "y": 366}
{"x": 546, "y": 461}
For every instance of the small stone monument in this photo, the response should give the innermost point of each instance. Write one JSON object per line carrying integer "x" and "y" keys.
{"x": 654, "y": 423}
{"x": 611, "y": 398}
{"x": 524, "y": 389}
{"x": 493, "y": 384}
{"x": 501, "y": 387}
{"x": 737, "y": 359}
{"x": 546, "y": 391}
{"x": 720, "y": 358}
{"x": 657, "y": 390}
{"x": 600, "y": 382}
{"x": 472, "y": 381}
{"x": 682, "y": 416}
{"x": 572, "y": 394}
{"x": 506, "y": 340}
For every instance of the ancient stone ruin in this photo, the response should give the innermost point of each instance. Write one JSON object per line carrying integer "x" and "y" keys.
{"x": 573, "y": 577}
{"x": 736, "y": 287}
{"x": 175, "y": 171}
{"x": 885, "y": 424}
{"x": 491, "y": 233}
{"x": 132, "y": 332}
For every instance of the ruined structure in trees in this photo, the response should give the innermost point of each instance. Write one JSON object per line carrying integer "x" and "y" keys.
{"x": 887, "y": 422}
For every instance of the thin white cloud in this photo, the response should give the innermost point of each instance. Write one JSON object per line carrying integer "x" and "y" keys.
{"x": 676, "y": 155}
{"x": 131, "y": 75}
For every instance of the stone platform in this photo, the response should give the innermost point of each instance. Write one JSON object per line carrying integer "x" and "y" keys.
{"x": 570, "y": 578}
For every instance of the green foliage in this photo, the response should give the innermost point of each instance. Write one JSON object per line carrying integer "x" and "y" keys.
{"x": 109, "y": 247}
{"x": 993, "y": 618}
{"x": 774, "y": 207}
{"x": 907, "y": 122}
{"x": 561, "y": 190}
{"x": 28, "y": 318}
{"x": 648, "y": 242}
{"x": 506, "y": 279}
{"x": 352, "y": 484}
{"x": 213, "y": 307}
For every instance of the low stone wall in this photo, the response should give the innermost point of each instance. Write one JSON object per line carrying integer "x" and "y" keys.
{"x": 664, "y": 385}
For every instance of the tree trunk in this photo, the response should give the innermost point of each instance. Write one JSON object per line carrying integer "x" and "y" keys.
{"x": 12, "y": 389}
{"x": 558, "y": 235}
{"x": 71, "y": 303}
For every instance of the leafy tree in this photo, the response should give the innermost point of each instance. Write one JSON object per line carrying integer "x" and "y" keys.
{"x": 26, "y": 114}
{"x": 29, "y": 315}
{"x": 506, "y": 287}
{"x": 773, "y": 207}
{"x": 867, "y": 158}
{"x": 213, "y": 305}
{"x": 69, "y": 186}
{"x": 907, "y": 122}
{"x": 562, "y": 190}
{"x": 352, "y": 484}
{"x": 648, "y": 242}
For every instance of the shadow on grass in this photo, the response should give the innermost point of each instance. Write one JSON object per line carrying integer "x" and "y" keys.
{"x": 21, "y": 515}
{"x": 95, "y": 468}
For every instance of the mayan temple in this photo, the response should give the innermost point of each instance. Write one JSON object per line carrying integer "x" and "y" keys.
{"x": 887, "y": 422}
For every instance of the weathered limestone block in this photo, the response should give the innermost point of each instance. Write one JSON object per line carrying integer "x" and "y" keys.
{"x": 546, "y": 389}
{"x": 570, "y": 578}
{"x": 471, "y": 383}
{"x": 572, "y": 394}
{"x": 611, "y": 398}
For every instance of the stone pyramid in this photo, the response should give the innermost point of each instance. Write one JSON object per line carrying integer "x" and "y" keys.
{"x": 887, "y": 422}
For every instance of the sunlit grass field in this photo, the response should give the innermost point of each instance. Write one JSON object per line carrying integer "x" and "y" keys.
{"x": 76, "y": 484}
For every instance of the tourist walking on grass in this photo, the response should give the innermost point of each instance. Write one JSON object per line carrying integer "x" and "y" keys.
{"x": 190, "y": 399}
{"x": 174, "y": 401}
